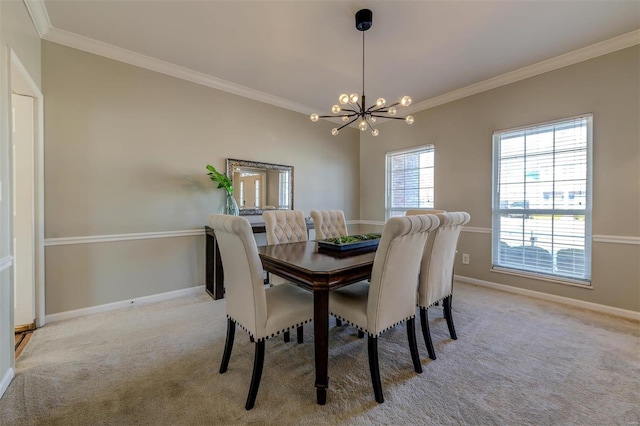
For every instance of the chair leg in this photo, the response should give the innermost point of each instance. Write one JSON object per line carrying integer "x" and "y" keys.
{"x": 360, "y": 334}
{"x": 338, "y": 322}
{"x": 424, "y": 321}
{"x": 287, "y": 336}
{"x": 228, "y": 345}
{"x": 300, "y": 334}
{"x": 413, "y": 346}
{"x": 258, "y": 362}
{"x": 449, "y": 317}
{"x": 374, "y": 368}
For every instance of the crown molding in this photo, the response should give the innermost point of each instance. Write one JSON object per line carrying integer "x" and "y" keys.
{"x": 39, "y": 16}
{"x": 110, "y": 51}
{"x": 608, "y": 46}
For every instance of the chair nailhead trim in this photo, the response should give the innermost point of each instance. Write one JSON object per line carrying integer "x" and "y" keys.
{"x": 272, "y": 335}
{"x": 369, "y": 333}
{"x": 437, "y": 301}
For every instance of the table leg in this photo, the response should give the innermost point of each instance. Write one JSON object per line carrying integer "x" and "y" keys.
{"x": 321, "y": 342}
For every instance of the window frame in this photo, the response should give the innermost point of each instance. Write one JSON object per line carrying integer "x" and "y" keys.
{"x": 388, "y": 210}
{"x": 587, "y": 212}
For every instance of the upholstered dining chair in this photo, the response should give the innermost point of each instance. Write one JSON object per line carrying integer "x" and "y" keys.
{"x": 329, "y": 223}
{"x": 261, "y": 312}
{"x": 390, "y": 298}
{"x": 285, "y": 226}
{"x": 436, "y": 273}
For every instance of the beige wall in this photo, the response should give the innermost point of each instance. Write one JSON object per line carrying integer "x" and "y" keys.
{"x": 17, "y": 33}
{"x": 125, "y": 152}
{"x": 608, "y": 87}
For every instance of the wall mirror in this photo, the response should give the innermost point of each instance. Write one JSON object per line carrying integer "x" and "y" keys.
{"x": 260, "y": 186}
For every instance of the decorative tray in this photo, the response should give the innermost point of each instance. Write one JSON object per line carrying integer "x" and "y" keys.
{"x": 350, "y": 242}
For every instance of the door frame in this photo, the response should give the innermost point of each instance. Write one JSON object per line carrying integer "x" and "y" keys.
{"x": 21, "y": 82}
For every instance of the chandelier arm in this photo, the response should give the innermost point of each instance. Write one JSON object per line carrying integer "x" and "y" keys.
{"x": 383, "y": 108}
{"x": 380, "y": 109}
{"x": 391, "y": 118}
{"x": 350, "y": 110}
{"x": 346, "y": 124}
{"x": 369, "y": 122}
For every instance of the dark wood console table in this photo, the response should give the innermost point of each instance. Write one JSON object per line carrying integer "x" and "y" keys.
{"x": 214, "y": 275}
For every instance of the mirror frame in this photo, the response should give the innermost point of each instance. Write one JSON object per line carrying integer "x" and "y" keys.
{"x": 233, "y": 163}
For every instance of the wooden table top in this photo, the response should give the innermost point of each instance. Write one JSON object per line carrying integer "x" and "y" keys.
{"x": 316, "y": 268}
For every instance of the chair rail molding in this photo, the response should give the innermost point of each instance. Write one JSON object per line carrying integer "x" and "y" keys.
{"x": 616, "y": 239}
{"x": 476, "y": 230}
{"x": 92, "y": 239}
{"x": 63, "y": 241}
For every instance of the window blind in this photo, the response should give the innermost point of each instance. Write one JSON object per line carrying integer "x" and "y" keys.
{"x": 542, "y": 180}
{"x": 409, "y": 180}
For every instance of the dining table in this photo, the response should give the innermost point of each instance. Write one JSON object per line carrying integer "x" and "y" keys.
{"x": 320, "y": 271}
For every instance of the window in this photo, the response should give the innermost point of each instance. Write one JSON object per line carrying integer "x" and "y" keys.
{"x": 409, "y": 180}
{"x": 257, "y": 187}
{"x": 542, "y": 200}
{"x": 283, "y": 195}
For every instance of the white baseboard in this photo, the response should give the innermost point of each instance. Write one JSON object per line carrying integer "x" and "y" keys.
{"x": 124, "y": 303}
{"x": 623, "y": 313}
{"x": 6, "y": 380}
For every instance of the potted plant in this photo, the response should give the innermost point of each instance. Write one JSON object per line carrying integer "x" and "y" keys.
{"x": 229, "y": 205}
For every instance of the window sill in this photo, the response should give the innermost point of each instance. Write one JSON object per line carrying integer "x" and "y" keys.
{"x": 568, "y": 281}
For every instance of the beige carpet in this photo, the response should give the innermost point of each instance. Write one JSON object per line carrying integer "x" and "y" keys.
{"x": 517, "y": 361}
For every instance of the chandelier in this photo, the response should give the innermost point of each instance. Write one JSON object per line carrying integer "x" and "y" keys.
{"x": 350, "y": 110}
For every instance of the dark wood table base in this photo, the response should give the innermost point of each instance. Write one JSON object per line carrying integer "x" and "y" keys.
{"x": 319, "y": 272}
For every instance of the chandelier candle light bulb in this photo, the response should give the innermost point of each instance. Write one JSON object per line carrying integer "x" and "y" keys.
{"x": 351, "y": 110}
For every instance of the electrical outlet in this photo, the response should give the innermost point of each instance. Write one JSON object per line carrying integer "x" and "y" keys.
{"x": 465, "y": 259}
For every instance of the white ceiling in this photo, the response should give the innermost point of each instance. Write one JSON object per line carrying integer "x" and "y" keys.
{"x": 303, "y": 54}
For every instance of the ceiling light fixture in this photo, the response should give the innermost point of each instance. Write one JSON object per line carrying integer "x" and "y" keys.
{"x": 351, "y": 110}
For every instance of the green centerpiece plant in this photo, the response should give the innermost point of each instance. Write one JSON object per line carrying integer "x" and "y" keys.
{"x": 229, "y": 205}
{"x": 346, "y": 239}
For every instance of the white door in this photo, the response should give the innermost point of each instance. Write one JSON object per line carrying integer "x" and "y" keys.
{"x": 253, "y": 191}
{"x": 23, "y": 219}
